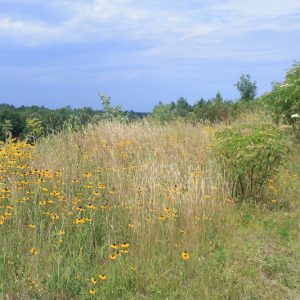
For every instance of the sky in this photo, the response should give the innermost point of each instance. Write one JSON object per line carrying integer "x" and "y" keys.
{"x": 139, "y": 52}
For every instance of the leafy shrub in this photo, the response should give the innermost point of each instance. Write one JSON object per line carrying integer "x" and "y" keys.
{"x": 250, "y": 156}
{"x": 111, "y": 113}
{"x": 284, "y": 99}
{"x": 34, "y": 129}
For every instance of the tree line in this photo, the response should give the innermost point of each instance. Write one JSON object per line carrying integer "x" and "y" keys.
{"x": 283, "y": 103}
{"x": 31, "y": 122}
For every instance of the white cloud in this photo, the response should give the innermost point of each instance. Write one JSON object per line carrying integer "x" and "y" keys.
{"x": 29, "y": 33}
{"x": 255, "y": 15}
{"x": 189, "y": 28}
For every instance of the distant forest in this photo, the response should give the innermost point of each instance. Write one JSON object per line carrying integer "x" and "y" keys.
{"x": 17, "y": 119}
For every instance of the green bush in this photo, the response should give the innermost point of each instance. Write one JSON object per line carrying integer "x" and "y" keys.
{"x": 284, "y": 99}
{"x": 250, "y": 156}
{"x": 34, "y": 129}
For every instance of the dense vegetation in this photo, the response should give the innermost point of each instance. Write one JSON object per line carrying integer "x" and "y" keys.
{"x": 284, "y": 99}
{"x": 250, "y": 156}
{"x": 13, "y": 119}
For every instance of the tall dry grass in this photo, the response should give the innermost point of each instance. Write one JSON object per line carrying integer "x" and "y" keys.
{"x": 155, "y": 172}
{"x": 156, "y": 188}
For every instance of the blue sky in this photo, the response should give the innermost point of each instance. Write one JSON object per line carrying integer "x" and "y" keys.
{"x": 64, "y": 52}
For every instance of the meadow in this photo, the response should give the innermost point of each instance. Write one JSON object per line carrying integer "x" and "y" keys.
{"x": 142, "y": 211}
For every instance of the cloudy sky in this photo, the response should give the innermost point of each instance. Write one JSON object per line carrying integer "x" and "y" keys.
{"x": 64, "y": 52}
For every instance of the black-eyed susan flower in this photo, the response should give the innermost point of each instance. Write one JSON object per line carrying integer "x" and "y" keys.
{"x": 61, "y": 232}
{"x": 54, "y": 217}
{"x": 87, "y": 175}
{"x": 102, "y": 277}
{"x": 92, "y": 292}
{"x": 140, "y": 191}
{"x": 93, "y": 281}
{"x": 6, "y": 215}
{"x": 114, "y": 246}
{"x": 102, "y": 186}
{"x": 185, "y": 255}
{"x": 125, "y": 245}
{"x": 162, "y": 218}
{"x": 33, "y": 251}
{"x": 113, "y": 257}
{"x": 79, "y": 220}
{"x": 167, "y": 209}
{"x": 55, "y": 193}
{"x": 91, "y": 206}
{"x": 79, "y": 208}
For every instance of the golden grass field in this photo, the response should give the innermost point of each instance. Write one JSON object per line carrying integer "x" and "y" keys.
{"x": 141, "y": 211}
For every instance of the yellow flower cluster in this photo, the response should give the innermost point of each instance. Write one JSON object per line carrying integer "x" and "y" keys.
{"x": 119, "y": 250}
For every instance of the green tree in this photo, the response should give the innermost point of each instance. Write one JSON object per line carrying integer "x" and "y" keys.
{"x": 214, "y": 110}
{"x": 246, "y": 87}
{"x": 8, "y": 112}
{"x": 109, "y": 112}
{"x": 182, "y": 108}
{"x": 164, "y": 112}
{"x": 284, "y": 99}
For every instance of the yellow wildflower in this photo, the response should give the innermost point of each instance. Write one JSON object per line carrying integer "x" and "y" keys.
{"x": 185, "y": 255}
{"x": 113, "y": 257}
{"x": 125, "y": 245}
{"x": 34, "y": 251}
{"x": 102, "y": 277}
{"x": 114, "y": 246}
{"x": 92, "y": 292}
